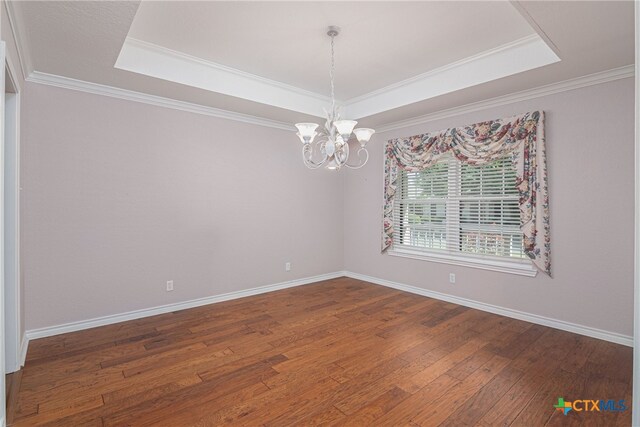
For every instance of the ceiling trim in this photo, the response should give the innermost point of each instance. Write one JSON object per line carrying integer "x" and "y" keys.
{"x": 98, "y": 89}
{"x": 160, "y": 62}
{"x": 129, "y": 95}
{"x": 24, "y": 56}
{"x": 566, "y": 85}
{"x": 510, "y": 58}
{"x": 11, "y": 68}
{"x": 534, "y": 24}
{"x": 157, "y": 61}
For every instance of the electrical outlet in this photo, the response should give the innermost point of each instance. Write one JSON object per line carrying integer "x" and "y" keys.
{"x": 287, "y": 266}
{"x": 452, "y": 278}
{"x": 169, "y": 285}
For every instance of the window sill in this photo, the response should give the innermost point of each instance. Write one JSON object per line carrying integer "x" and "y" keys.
{"x": 521, "y": 268}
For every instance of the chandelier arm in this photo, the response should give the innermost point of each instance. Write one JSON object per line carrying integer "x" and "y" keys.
{"x": 366, "y": 159}
{"x": 311, "y": 164}
{"x": 307, "y": 154}
{"x": 344, "y": 150}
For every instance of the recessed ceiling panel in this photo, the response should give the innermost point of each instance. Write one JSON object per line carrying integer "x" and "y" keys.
{"x": 277, "y": 53}
{"x": 381, "y": 43}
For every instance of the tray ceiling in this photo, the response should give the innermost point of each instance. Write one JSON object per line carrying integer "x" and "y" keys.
{"x": 276, "y": 53}
{"x": 271, "y": 59}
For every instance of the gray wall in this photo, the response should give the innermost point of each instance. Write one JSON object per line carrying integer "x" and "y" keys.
{"x": 119, "y": 197}
{"x": 590, "y": 134}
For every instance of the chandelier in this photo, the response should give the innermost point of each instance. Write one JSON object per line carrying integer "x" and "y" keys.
{"x": 331, "y": 147}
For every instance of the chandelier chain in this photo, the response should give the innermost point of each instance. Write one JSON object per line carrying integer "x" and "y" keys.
{"x": 331, "y": 70}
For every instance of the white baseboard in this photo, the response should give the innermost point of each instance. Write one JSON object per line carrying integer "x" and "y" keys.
{"x": 137, "y": 314}
{"x": 502, "y": 311}
{"x": 24, "y": 345}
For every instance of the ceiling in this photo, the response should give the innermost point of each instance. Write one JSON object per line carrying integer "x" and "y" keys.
{"x": 394, "y": 60}
{"x": 286, "y": 41}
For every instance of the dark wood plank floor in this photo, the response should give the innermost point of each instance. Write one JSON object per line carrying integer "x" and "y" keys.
{"x": 340, "y": 352}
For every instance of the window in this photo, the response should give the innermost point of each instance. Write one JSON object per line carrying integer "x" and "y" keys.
{"x": 463, "y": 214}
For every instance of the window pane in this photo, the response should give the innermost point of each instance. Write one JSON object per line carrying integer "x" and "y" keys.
{"x": 483, "y": 242}
{"x": 429, "y": 183}
{"x": 460, "y": 208}
{"x": 489, "y": 212}
{"x": 426, "y": 213}
{"x": 421, "y": 213}
{"x": 493, "y": 179}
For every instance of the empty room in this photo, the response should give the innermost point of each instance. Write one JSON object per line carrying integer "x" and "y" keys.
{"x": 300, "y": 213}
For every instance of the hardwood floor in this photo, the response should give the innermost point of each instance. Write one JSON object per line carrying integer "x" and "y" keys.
{"x": 340, "y": 352}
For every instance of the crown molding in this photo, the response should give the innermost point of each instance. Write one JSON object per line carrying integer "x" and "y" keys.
{"x": 12, "y": 71}
{"x": 534, "y": 24}
{"x": 194, "y": 59}
{"x": 513, "y": 44}
{"x": 28, "y": 73}
{"x": 149, "y": 59}
{"x": 129, "y": 95}
{"x": 99, "y": 89}
{"x": 24, "y": 56}
{"x": 518, "y": 56}
{"x": 566, "y": 85}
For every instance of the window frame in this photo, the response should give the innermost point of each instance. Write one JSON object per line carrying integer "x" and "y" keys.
{"x": 518, "y": 266}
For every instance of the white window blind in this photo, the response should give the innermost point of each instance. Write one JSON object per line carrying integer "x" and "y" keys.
{"x": 457, "y": 208}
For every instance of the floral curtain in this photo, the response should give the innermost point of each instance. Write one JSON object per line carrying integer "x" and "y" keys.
{"x": 521, "y": 138}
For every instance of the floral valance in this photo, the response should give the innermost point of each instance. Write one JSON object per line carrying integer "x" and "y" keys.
{"x": 521, "y": 138}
